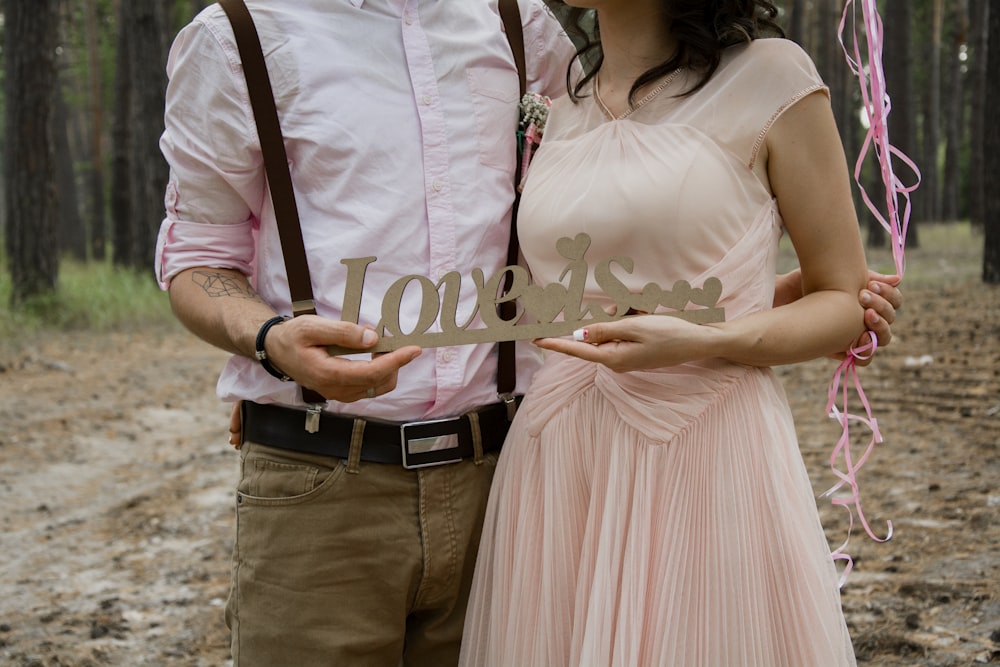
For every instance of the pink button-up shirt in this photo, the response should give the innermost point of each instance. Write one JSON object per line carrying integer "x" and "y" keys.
{"x": 399, "y": 119}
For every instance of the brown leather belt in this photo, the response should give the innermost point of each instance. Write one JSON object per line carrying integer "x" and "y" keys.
{"x": 411, "y": 444}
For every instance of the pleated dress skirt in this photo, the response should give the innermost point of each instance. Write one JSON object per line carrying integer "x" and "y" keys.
{"x": 654, "y": 519}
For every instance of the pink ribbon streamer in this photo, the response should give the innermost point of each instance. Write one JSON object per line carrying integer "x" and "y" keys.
{"x": 877, "y": 105}
{"x": 846, "y": 376}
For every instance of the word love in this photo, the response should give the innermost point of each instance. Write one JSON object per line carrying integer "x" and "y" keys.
{"x": 538, "y": 308}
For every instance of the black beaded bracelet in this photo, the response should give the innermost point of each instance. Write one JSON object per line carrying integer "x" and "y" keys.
{"x": 262, "y": 355}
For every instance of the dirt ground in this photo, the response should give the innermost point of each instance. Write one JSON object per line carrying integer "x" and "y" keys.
{"x": 116, "y": 495}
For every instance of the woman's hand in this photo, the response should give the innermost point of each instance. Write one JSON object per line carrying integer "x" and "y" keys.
{"x": 881, "y": 300}
{"x": 653, "y": 341}
{"x": 635, "y": 343}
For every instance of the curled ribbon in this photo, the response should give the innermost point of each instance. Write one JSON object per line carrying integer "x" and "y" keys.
{"x": 877, "y": 106}
{"x": 845, "y": 376}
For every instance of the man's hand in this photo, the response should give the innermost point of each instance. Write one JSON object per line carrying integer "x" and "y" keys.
{"x": 298, "y": 348}
{"x": 236, "y": 426}
{"x": 221, "y": 307}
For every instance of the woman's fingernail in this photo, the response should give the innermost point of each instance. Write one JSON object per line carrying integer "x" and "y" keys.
{"x": 866, "y": 298}
{"x": 580, "y": 335}
{"x": 875, "y": 287}
{"x": 368, "y": 337}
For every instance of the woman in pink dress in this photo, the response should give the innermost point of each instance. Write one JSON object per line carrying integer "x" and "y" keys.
{"x": 651, "y": 506}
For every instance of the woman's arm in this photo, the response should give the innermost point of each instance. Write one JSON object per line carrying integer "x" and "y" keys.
{"x": 808, "y": 174}
{"x": 881, "y": 298}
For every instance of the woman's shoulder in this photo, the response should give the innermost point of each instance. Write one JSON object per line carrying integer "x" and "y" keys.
{"x": 776, "y": 47}
{"x": 769, "y": 59}
{"x": 764, "y": 50}
{"x": 754, "y": 84}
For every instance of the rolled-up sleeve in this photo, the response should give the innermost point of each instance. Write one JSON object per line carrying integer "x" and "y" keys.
{"x": 216, "y": 185}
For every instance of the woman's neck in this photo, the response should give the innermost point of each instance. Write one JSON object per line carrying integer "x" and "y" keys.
{"x": 634, "y": 38}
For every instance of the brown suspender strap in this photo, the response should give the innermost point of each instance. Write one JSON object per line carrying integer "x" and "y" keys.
{"x": 510, "y": 15}
{"x": 275, "y": 159}
{"x": 272, "y": 147}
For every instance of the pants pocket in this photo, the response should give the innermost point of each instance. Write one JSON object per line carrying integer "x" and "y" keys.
{"x": 276, "y": 476}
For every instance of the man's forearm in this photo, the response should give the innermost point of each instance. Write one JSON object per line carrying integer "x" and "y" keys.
{"x": 220, "y": 307}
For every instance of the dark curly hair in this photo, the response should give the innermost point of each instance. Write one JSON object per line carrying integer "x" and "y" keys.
{"x": 703, "y": 29}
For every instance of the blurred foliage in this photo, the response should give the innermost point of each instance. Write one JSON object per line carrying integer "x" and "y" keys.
{"x": 92, "y": 297}
{"x": 950, "y": 254}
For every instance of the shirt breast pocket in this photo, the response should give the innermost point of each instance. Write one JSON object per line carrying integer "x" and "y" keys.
{"x": 495, "y": 101}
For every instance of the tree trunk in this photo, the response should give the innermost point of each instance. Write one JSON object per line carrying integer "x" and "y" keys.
{"x": 797, "y": 21}
{"x": 121, "y": 174}
{"x": 72, "y": 235}
{"x": 140, "y": 174}
{"x": 829, "y": 56}
{"x": 68, "y": 142}
{"x": 898, "y": 64}
{"x": 954, "y": 122}
{"x": 149, "y": 83}
{"x": 930, "y": 191}
{"x": 172, "y": 17}
{"x": 979, "y": 10}
{"x": 991, "y": 148}
{"x": 30, "y": 79}
{"x": 95, "y": 173}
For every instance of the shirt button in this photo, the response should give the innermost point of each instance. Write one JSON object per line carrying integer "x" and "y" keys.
{"x": 438, "y": 186}
{"x": 426, "y": 99}
{"x": 448, "y": 356}
{"x": 408, "y": 19}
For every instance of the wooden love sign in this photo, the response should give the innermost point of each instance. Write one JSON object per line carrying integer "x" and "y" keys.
{"x": 541, "y": 305}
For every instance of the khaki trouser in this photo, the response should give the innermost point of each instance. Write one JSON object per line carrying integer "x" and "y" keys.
{"x": 360, "y": 567}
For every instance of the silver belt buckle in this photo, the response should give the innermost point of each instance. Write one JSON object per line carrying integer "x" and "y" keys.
{"x": 427, "y": 451}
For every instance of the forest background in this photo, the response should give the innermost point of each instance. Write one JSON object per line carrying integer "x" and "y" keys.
{"x": 116, "y": 513}
{"x": 82, "y": 110}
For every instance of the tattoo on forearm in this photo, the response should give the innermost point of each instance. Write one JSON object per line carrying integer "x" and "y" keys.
{"x": 218, "y": 284}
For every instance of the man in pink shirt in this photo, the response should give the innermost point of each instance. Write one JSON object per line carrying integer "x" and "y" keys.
{"x": 398, "y": 118}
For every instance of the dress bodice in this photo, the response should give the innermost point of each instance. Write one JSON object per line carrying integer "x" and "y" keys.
{"x": 675, "y": 186}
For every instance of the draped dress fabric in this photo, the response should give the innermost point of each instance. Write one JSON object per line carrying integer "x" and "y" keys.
{"x": 660, "y": 517}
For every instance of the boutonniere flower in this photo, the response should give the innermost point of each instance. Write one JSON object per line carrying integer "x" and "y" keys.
{"x": 534, "y": 109}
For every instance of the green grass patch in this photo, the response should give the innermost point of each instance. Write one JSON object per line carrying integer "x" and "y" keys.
{"x": 949, "y": 254}
{"x": 90, "y": 297}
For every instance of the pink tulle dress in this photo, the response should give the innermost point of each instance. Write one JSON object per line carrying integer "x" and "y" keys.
{"x": 660, "y": 518}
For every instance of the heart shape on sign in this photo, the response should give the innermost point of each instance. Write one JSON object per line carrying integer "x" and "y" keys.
{"x": 649, "y": 300}
{"x": 574, "y": 248}
{"x": 544, "y": 303}
{"x": 709, "y": 293}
